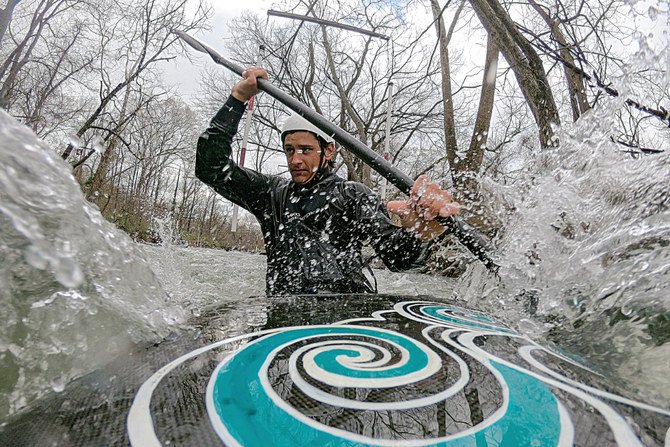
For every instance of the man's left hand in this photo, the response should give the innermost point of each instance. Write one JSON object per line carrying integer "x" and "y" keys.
{"x": 246, "y": 88}
{"x": 427, "y": 201}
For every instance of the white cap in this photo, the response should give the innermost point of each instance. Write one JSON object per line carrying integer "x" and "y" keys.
{"x": 296, "y": 122}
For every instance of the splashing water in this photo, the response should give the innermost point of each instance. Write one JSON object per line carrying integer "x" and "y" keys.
{"x": 585, "y": 261}
{"x": 75, "y": 290}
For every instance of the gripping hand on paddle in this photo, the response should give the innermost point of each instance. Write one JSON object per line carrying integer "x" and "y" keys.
{"x": 245, "y": 89}
{"x": 427, "y": 201}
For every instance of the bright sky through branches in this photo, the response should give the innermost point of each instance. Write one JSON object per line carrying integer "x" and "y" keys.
{"x": 186, "y": 75}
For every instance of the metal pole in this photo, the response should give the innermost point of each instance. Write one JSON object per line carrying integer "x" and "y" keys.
{"x": 245, "y": 139}
{"x": 387, "y": 138}
{"x": 289, "y": 15}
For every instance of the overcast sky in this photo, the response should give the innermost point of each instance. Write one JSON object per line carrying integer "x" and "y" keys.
{"x": 185, "y": 74}
{"x": 650, "y": 19}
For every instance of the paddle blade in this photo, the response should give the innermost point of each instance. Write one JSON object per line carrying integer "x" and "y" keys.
{"x": 194, "y": 43}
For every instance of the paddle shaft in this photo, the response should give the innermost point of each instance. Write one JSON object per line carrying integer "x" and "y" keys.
{"x": 465, "y": 234}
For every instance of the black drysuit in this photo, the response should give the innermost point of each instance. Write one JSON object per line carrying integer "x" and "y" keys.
{"x": 313, "y": 233}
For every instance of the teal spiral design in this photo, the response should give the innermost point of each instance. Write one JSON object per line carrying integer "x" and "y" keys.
{"x": 437, "y": 313}
{"x": 244, "y": 410}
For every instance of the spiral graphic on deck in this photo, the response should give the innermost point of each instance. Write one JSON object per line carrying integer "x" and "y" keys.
{"x": 322, "y": 358}
{"x": 328, "y": 385}
{"x": 246, "y": 410}
{"x": 452, "y": 316}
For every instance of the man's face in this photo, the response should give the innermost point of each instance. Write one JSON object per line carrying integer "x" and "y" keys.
{"x": 303, "y": 154}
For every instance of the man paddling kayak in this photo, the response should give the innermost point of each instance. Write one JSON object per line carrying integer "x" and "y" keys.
{"x": 315, "y": 225}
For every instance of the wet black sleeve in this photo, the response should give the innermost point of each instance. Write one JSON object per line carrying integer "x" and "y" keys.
{"x": 398, "y": 248}
{"x": 215, "y": 167}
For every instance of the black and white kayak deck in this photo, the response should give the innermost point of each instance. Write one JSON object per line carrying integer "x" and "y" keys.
{"x": 359, "y": 370}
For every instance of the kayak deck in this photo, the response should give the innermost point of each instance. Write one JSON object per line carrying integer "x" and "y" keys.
{"x": 341, "y": 370}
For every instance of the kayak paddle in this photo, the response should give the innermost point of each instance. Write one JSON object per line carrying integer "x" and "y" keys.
{"x": 465, "y": 234}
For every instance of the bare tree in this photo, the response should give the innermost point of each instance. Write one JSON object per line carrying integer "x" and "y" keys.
{"x": 526, "y": 64}
{"x": 465, "y": 165}
{"x": 344, "y": 77}
{"x": 142, "y": 37}
{"x": 578, "y": 36}
{"x": 21, "y": 34}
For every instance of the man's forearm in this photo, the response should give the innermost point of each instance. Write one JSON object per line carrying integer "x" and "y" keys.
{"x": 214, "y": 145}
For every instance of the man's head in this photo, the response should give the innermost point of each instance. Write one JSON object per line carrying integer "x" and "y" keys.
{"x": 307, "y": 149}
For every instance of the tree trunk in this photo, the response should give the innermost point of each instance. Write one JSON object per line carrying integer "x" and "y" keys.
{"x": 466, "y": 171}
{"x": 447, "y": 101}
{"x": 525, "y": 63}
{"x": 578, "y": 101}
{"x": 6, "y": 17}
{"x": 475, "y": 155}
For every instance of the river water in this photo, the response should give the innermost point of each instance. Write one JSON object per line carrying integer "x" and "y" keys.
{"x": 76, "y": 291}
{"x": 585, "y": 267}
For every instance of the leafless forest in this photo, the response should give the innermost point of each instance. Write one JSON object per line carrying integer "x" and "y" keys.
{"x": 477, "y": 87}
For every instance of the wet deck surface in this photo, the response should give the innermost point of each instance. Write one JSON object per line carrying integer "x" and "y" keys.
{"x": 279, "y": 371}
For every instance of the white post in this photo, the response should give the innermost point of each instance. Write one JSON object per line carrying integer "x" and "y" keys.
{"x": 387, "y": 138}
{"x": 245, "y": 141}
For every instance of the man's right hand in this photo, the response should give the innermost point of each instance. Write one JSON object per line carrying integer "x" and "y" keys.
{"x": 427, "y": 201}
{"x": 245, "y": 89}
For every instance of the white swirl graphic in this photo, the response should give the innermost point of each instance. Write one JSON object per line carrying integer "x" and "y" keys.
{"x": 284, "y": 378}
{"x": 367, "y": 355}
